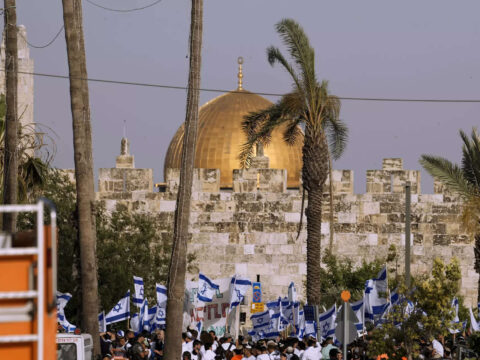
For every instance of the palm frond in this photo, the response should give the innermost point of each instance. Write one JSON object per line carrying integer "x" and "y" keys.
{"x": 298, "y": 45}
{"x": 337, "y": 136}
{"x": 275, "y": 55}
{"x": 449, "y": 174}
{"x": 471, "y": 157}
{"x": 293, "y": 132}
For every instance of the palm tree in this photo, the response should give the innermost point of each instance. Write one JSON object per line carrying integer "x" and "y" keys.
{"x": 310, "y": 105}
{"x": 465, "y": 181}
{"x": 178, "y": 262}
{"x": 82, "y": 146}
{"x": 10, "y": 173}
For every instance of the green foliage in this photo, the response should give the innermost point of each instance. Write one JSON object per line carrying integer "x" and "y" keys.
{"x": 341, "y": 274}
{"x": 474, "y": 342}
{"x": 431, "y": 316}
{"x": 127, "y": 244}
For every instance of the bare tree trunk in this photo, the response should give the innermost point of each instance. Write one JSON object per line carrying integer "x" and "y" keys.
{"x": 178, "y": 262}
{"x": 10, "y": 175}
{"x": 82, "y": 141}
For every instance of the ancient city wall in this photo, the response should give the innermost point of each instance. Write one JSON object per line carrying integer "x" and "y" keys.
{"x": 252, "y": 228}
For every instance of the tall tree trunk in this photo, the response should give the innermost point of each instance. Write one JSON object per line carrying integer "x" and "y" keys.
{"x": 10, "y": 174}
{"x": 82, "y": 141}
{"x": 314, "y": 174}
{"x": 178, "y": 262}
{"x": 332, "y": 214}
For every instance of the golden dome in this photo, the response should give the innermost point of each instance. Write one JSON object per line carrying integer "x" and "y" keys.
{"x": 220, "y": 137}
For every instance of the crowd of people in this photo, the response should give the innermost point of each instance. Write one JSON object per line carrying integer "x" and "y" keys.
{"x": 207, "y": 346}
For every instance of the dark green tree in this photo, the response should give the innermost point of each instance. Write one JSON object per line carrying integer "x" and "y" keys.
{"x": 310, "y": 105}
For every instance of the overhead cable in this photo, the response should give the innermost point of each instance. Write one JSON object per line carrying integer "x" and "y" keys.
{"x": 176, "y": 87}
{"x": 122, "y": 10}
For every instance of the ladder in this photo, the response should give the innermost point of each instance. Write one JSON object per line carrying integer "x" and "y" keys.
{"x": 35, "y": 296}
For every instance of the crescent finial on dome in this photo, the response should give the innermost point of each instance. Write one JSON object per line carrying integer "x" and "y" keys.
{"x": 240, "y": 73}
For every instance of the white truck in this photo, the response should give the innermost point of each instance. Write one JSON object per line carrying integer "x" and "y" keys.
{"x": 74, "y": 347}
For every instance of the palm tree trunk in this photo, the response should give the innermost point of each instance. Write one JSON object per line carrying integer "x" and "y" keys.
{"x": 332, "y": 214}
{"x": 314, "y": 174}
{"x": 82, "y": 141}
{"x": 10, "y": 175}
{"x": 178, "y": 262}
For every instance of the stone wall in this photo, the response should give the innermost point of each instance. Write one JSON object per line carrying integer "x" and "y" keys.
{"x": 252, "y": 228}
{"x": 25, "y": 76}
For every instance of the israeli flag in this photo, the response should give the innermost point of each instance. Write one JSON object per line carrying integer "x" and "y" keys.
{"x": 121, "y": 311}
{"x": 135, "y": 323}
{"x": 62, "y": 300}
{"x": 206, "y": 288}
{"x": 375, "y": 296}
{"x": 261, "y": 322}
{"x": 474, "y": 325}
{"x": 394, "y": 298}
{"x": 238, "y": 288}
{"x": 274, "y": 306}
{"x": 326, "y": 322}
{"x": 102, "y": 325}
{"x": 143, "y": 316}
{"x": 359, "y": 310}
{"x": 160, "y": 316}
{"x": 139, "y": 289}
{"x": 254, "y": 335}
{"x": 151, "y": 319}
{"x": 161, "y": 295}
{"x": 455, "y": 320}
{"x": 290, "y": 314}
{"x": 310, "y": 329}
{"x": 301, "y": 325}
{"x": 292, "y": 293}
{"x": 274, "y": 327}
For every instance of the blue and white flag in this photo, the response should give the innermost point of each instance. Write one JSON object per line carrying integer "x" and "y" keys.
{"x": 274, "y": 327}
{"x": 261, "y": 322}
{"x": 375, "y": 296}
{"x": 290, "y": 314}
{"x": 301, "y": 325}
{"x": 139, "y": 289}
{"x": 292, "y": 292}
{"x": 161, "y": 295}
{"x": 474, "y": 325}
{"x": 102, "y": 324}
{"x": 206, "y": 288}
{"x": 121, "y": 311}
{"x": 143, "y": 316}
{"x": 238, "y": 288}
{"x": 151, "y": 318}
{"x": 254, "y": 335}
{"x": 310, "y": 329}
{"x": 135, "y": 323}
{"x": 455, "y": 320}
{"x": 359, "y": 310}
{"x": 160, "y": 316}
{"x": 274, "y": 306}
{"x": 62, "y": 300}
{"x": 326, "y": 322}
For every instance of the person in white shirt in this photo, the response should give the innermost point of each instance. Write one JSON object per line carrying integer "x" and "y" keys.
{"x": 247, "y": 353}
{"x": 273, "y": 353}
{"x": 263, "y": 354}
{"x": 312, "y": 352}
{"x": 196, "y": 350}
{"x": 188, "y": 343}
{"x": 209, "y": 354}
{"x": 228, "y": 344}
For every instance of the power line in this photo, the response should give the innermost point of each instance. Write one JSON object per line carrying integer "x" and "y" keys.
{"x": 123, "y": 10}
{"x": 47, "y": 44}
{"x": 176, "y": 87}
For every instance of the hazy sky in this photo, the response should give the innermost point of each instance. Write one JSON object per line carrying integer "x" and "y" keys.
{"x": 405, "y": 49}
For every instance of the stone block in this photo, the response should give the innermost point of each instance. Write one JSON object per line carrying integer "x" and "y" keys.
{"x": 167, "y": 205}
{"x": 292, "y": 217}
{"x": 248, "y": 249}
{"x": 272, "y": 180}
{"x": 392, "y": 164}
{"x": 350, "y": 218}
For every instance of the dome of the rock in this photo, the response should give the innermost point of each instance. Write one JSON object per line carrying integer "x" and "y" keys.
{"x": 220, "y": 137}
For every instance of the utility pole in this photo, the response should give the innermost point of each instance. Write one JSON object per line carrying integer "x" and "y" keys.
{"x": 10, "y": 164}
{"x": 407, "y": 232}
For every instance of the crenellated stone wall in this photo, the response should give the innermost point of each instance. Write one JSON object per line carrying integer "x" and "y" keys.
{"x": 252, "y": 228}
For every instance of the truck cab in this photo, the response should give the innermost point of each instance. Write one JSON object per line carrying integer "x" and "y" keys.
{"x": 74, "y": 347}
